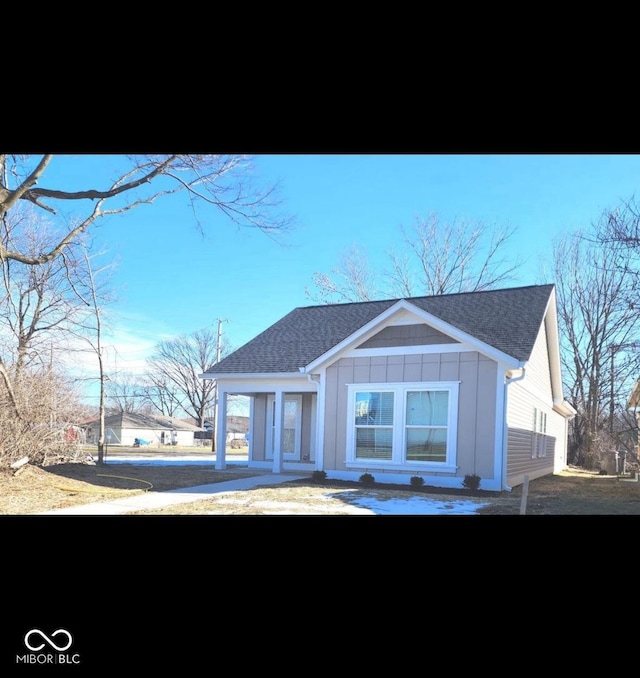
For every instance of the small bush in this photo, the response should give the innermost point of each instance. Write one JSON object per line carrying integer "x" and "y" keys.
{"x": 471, "y": 482}
{"x": 417, "y": 481}
{"x": 367, "y": 479}
{"x": 319, "y": 477}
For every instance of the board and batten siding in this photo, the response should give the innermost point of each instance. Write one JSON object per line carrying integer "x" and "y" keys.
{"x": 307, "y": 432}
{"x": 476, "y": 373}
{"x": 534, "y": 391}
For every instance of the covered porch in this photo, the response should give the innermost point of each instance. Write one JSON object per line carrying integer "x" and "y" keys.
{"x": 283, "y": 423}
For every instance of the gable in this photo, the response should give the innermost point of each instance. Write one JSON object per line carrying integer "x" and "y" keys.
{"x": 417, "y": 334}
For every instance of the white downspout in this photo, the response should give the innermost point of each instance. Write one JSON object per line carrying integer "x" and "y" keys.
{"x": 505, "y": 427}
{"x": 316, "y": 380}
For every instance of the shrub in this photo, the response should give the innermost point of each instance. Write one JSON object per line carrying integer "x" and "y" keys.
{"x": 367, "y": 479}
{"x": 319, "y": 477}
{"x": 471, "y": 481}
{"x": 416, "y": 481}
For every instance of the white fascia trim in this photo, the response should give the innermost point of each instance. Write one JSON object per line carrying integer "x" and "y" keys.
{"x": 249, "y": 375}
{"x": 553, "y": 348}
{"x": 294, "y": 384}
{"x": 379, "y": 322}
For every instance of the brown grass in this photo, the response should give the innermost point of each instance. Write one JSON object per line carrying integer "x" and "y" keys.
{"x": 33, "y": 490}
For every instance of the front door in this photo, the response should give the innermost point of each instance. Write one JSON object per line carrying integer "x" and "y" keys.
{"x": 291, "y": 427}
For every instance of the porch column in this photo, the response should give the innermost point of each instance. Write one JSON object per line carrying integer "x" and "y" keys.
{"x": 221, "y": 430}
{"x": 277, "y": 433}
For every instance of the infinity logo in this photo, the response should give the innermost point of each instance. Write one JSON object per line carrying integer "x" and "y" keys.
{"x": 53, "y": 645}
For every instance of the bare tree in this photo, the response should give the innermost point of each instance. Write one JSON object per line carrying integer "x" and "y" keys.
{"x": 37, "y": 304}
{"x": 125, "y": 392}
{"x": 91, "y": 285}
{"x": 599, "y": 332}
{"x": 38, "y": 420}
{"x": 223, "y": 182}
{"x": 39, "y": 311}
{"x": 353, "y": 280}
{"x": 162, "y": 394}
{"x": 179, "y": 362}
{"x": 433, "y": 258}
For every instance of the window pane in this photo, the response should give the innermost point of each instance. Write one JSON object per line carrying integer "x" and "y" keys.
{"x": 427, "y": 408}
{"x": 373, "y": 443}
{"x": 426, "y": 444}
{"x": 288, "y": 440}
{"x": 290, "y": 411}
{"x": 374, "y": 409}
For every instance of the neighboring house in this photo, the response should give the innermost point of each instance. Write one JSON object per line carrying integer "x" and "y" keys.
{"x": 123, "y": 428}
{"x": 439, "y": 387}
{"x": 237, "y": 429}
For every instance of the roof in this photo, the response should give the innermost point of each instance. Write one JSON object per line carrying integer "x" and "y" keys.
{"x": 145, "y": 421}
{"x": 507, "y": 319}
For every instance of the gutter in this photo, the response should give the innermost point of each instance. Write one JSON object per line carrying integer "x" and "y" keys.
{"x": 508, "y": 380}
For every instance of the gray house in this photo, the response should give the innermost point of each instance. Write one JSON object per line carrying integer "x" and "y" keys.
{"x": 438, "y": 387}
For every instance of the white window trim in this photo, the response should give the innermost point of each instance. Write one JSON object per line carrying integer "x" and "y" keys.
{"x": 295, "y": 455}
{"x": 399, "y": 427}
{"x": 539, "y": 434}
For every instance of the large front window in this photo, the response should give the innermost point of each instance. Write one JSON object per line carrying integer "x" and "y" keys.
{"x": 403, "y": 425}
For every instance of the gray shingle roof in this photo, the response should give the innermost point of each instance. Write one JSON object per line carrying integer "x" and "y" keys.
{"x": 145, "y": 421}
{"x": 507, "y": 319}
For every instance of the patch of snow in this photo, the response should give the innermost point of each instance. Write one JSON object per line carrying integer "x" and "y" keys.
{"x": 417, "y": 506}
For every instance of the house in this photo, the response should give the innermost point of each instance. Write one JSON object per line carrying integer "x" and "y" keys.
{"x": 123, "y": 429}
{"x": 439, "y": 387}
{"x": 237, "y": 429}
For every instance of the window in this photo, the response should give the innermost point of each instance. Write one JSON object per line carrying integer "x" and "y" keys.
{"x": 374, "y": 425}
{"x": 402, "y": 425}
{"x": 539, "y": 437}
{"x": 426, "y": 425}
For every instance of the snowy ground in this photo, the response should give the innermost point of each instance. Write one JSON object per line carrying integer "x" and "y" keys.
{"x": 417, "y": 506}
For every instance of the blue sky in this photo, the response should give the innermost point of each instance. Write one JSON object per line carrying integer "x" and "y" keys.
{"x": 171, "y": 279}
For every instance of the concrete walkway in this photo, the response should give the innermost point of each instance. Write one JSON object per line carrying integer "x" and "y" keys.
{"x": 158, "y": 500}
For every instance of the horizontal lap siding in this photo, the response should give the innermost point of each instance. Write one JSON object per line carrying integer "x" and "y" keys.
{"x": 476, "y": 406}
{"x": 519, "y": 437}
{"x": 534, "y": 391}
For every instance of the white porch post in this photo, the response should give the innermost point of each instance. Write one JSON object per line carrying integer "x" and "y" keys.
{"x": 277, "y": 433}
{"x": 221, "y": 430}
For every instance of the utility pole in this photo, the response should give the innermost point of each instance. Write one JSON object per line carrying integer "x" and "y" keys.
{"x": 215, "y": 388}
